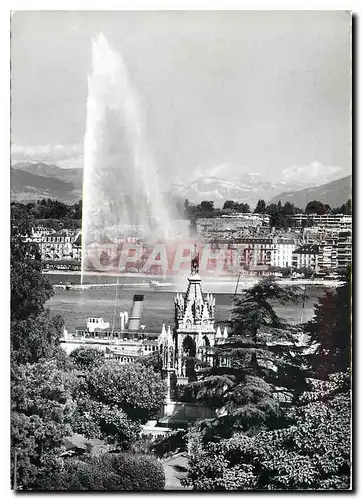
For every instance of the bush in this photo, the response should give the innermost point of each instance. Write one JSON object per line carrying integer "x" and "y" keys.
{"x": 80, "y": 475}
{"x": 108, "y": 472}
{"x": 174, "y": 441}
{"x": 137, "y": 472}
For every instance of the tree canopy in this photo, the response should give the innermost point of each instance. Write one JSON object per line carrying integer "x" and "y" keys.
{"x": 40, "y": 405}
{"x": 311, "y": 453}
{"x": 34, "y": 333}
{"x": 138, "y": 390}
{"x": 330, "y": 330}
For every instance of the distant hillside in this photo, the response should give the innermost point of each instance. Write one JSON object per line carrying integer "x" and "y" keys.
{"x": 73, "y": 175}
{"x": 334, "y": 193}
{"x": 26, "y": 186}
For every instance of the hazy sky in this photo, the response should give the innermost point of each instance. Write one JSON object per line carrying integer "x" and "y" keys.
{"x": 261, "y": 91}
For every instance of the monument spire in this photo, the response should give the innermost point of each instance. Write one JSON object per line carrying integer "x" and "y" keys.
{"x": 195, "y": 261}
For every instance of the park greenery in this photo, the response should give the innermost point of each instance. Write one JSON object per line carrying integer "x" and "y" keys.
{"x": 283, "y": 408}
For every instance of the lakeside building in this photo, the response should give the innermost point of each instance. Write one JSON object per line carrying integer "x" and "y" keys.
{"x": 335, "y": 245}
{"x": 53, "y": 245}
{"x": 282, "y": 253}
{"x": 59, "y": 246}
{"x": 344, "y": 249}
{"x": 306, "y": 256}
{"x": 328, "y": 253}
{"x": 250, "y": 219}
{"x": 37, "y": 233}
{"x": 325, "y": 220}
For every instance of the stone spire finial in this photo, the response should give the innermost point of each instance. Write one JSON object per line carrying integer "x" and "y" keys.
{"x": 218, "y": 333}
{"x": 195, "y": 261}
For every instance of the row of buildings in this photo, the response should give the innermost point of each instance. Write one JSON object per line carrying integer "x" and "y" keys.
{"x": 243, "y": 241}
{"x": 235, "y": 226}
{"x": 326, "y": 244}
{"x": 57, "y": 245}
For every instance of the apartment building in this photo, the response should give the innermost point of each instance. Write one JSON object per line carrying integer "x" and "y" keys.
{"x": 326, "y": 220}
{"x": 63, "y": 245}
{"x": 306, "y": 256}
{"x": 282, "y": 253}
{"x": 328, "y": 253}
{"x": 344, "y": 249}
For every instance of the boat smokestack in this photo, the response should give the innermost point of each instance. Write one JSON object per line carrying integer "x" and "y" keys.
{"x": 134, "y": 323}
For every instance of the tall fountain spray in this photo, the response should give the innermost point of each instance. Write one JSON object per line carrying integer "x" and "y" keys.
{"x": 121, "y": 194}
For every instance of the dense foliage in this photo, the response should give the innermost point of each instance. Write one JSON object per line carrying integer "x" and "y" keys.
{"x": 330, "y": 329}
{"x": 174, "y": 441}
{"x": 40, "y": 405}
{"x": 86, "y": 358}
{"x": 311, "y": 453}
{"x": 39, "y": 390}
{"x": 107, "y": 472}
{"x": 110, "y": 423}
{"x": 53, "y": 209}
{"x": 152, "y": 360}
{"x": 29, "y": 289}
{"x": 112, "y": 401}
{"x": 136, "y": 389}
{"x": 234, "y": 206}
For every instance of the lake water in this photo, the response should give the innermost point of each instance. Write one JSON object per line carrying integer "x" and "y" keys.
{"x": 75, "y": 305}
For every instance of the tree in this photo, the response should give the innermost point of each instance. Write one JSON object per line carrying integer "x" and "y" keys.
{"x": 152, "y": 360}
{"x": 259, "y": 355}
{"x": 29, "y": 289}
{"x": 137, "y": 390}
{"x": 36, "y": 338}
{"x": 207, "y": 206}
{"x": 330, "y": 329}
{"x": 110, "y": 423}
{"x": 315, "y": 207}
{"x": 275, "y": 213}
{"x": 345, "y": 209}
{"x": 34, "y": 333}
{"x": 236, "y": 207}
{"x": 87, "y": 357}
{"x": 260, "y": 207}
{"x": 40, "y": 403}
{"x": 312, "y": 452}
{"x": 230, "y": 205}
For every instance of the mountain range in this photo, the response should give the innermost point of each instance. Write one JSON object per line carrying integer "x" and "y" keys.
{"x": 334, "y": 193}
{"x": 34, "y": 181}
{"x": 31, "y": 181}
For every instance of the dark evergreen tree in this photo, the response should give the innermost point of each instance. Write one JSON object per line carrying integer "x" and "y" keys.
{"x": 260, "y": 207}
{"x": 259, "y": 358}
{"x": 330, "y": 329}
